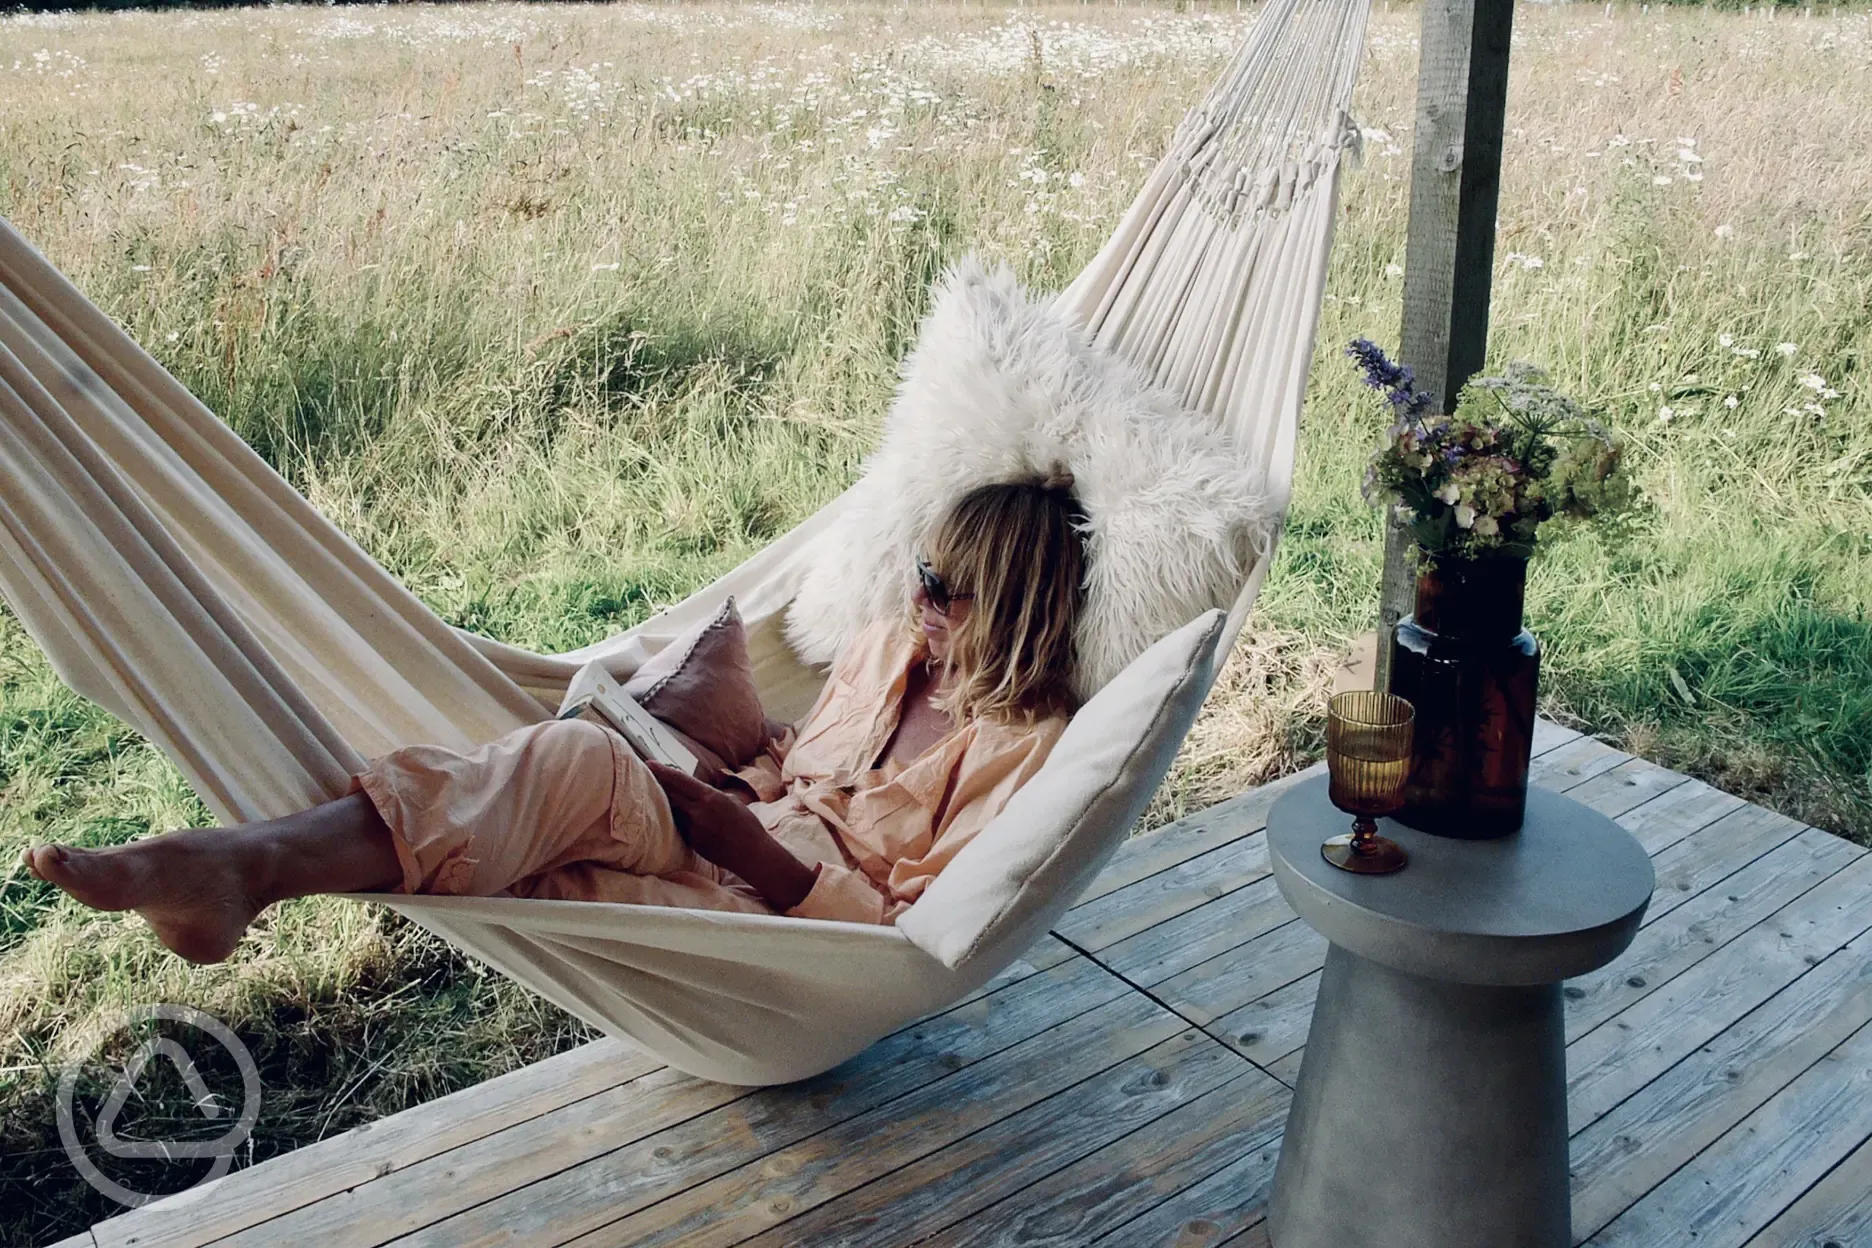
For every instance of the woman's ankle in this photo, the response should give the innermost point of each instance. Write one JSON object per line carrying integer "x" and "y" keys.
{"x": 341, "y": 846}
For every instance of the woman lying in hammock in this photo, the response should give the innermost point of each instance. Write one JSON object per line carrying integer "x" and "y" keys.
{"x": 926, "y": 728}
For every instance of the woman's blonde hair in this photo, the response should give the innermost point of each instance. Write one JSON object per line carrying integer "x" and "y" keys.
{"x": 1015, "y": 546}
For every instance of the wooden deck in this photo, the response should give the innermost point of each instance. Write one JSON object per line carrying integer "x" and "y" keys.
{"x": 1126, "y": 1083}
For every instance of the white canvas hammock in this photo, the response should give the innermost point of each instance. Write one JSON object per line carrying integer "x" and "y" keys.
{"x": 176, "y": 580}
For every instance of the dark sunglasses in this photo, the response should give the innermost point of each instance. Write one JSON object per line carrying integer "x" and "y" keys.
{"x": 937, "y": 589}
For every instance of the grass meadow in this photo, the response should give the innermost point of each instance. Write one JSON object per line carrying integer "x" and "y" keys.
{"x": 563, "y": 311}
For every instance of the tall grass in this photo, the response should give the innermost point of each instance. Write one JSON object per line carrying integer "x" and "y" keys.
{"x": 563, "y": 311}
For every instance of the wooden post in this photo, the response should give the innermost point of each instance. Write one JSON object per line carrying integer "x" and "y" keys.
{"x": 1449, "y": 255}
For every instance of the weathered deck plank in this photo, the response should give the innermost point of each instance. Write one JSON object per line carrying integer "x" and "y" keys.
{"x": 1134, "y": 1175}
{"x": 1693, "y": 931}
{"x": 1654, "y": 1132}
{"x": 1715, "y": 852}
{"x": 1719, "y": 1084}
{"x": 309, "y": 1175}
{"x": 1619, "y": 1057}
{"x": 1836, "y": 1210}
{"x": 1212, "y": 1211}
{"x": 487, "y": 1168}
{"x": 1574, "y": 763}
{"x": 1193, "y": 938}
{"x": 1180, "y": 889}
{"x": 1220, "y": 986}
{"x": 1268, "y": 1029}
{"x": 587, "y": 1188}
{"x": 1069, "y": 1150}
{"x": 860, "y": 1151}
{"x": 1626, "y": 787}
{"x": 1144, "y": 856}
{"x": 1762, "y": 1165}
{"x": 1670, "y": 816}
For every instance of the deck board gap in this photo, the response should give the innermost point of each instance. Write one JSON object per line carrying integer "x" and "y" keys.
{"x": 1161, "y": 1004}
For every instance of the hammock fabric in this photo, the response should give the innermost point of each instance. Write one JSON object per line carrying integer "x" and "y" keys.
{"x": 173, "y": 578}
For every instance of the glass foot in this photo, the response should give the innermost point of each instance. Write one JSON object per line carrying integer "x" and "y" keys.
{"x": 1378, "y": 856}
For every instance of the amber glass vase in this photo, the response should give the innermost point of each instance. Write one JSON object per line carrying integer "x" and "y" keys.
{"x": 1470, "y": 669}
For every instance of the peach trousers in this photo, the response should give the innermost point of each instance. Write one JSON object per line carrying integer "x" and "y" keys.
{"x": 561, "y": 810}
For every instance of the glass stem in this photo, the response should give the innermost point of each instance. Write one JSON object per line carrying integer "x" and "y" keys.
{"x": 1364, "y": 828}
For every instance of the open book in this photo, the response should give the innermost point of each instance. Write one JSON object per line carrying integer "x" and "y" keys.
{"x": 595, "y": 695}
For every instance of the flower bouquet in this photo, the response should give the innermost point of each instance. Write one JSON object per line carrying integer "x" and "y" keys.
{"x": 1481, "y": 482}
{"x": 1474, "y": 488}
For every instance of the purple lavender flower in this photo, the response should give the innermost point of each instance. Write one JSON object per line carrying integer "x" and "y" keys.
{"x": 1397, "y": 381}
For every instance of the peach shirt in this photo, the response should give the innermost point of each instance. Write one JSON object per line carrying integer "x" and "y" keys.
{"x": 880, "y": 835}
{"x": 564, "y": 810}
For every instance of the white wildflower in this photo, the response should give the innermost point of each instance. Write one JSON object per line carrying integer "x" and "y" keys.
{"x": 1465, "y": 516}
{"x": 1664, "y": 415}
{"x": 1813, "y": 381}
{"x": 1725, "y": 340}
{"x": 1394, "y": 270}
{"x": 1732, "y": 402}
{"x": 1725, "y": 230}
{"x": 1785, "y": 349}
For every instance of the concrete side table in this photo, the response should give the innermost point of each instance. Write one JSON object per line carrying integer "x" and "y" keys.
{"x": 1431, "y": 1105}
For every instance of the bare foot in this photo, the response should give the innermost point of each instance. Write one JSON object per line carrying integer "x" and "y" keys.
{"x": 193, "y": 892}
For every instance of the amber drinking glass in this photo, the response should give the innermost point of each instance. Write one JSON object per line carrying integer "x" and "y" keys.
{"x": 1368, "y": 753}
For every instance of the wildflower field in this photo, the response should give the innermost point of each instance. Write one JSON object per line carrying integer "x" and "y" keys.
{"x": 563, "y": 311}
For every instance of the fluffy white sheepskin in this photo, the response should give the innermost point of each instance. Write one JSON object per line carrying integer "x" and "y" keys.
{"x": 999, "y": 387}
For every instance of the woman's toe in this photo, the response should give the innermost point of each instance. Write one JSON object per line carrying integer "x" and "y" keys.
{"x": 98, "y": 880}
{"x": 43, "y": 860}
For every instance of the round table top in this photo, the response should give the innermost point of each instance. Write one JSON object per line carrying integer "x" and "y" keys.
{"x": 1561, "y": 897}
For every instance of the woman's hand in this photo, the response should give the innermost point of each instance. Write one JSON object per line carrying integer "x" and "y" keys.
{"x": 723, "y": 830}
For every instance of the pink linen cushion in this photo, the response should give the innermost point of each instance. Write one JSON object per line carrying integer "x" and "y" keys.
{"x": 702, "y": 685}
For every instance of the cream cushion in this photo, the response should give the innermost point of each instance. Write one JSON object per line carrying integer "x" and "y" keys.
{"x": 1014, "y": 880}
